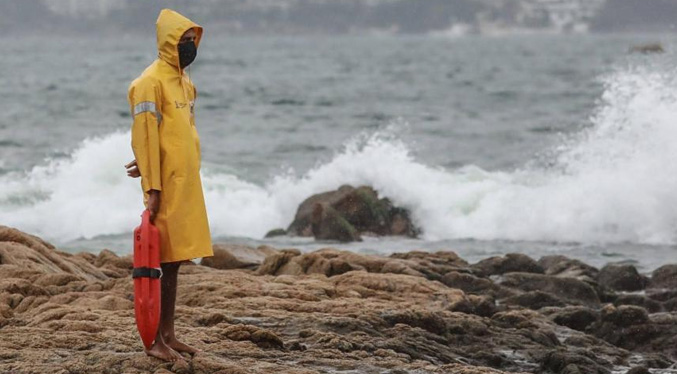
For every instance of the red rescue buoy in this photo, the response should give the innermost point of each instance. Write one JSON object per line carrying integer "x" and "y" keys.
{"x": 146, "y": 275}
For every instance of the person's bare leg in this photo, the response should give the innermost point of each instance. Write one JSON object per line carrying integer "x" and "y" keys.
{"x": 161, "y": 348}
{"x": 170, "y": 273}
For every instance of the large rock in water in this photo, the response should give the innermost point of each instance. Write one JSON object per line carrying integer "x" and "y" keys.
{"x": 348, "y": 213}
{"x": 647, "y": 48}
{"x": 328, "y": 224}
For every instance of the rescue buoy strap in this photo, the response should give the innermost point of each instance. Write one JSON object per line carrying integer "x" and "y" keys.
{"x": 145, "y": 272}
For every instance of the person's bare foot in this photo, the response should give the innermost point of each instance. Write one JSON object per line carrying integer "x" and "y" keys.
{"x": 163, "y": 352}
{"x": 181, "y": 347}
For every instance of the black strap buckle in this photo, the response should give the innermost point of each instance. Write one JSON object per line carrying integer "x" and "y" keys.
{"x": 145, "y": 272}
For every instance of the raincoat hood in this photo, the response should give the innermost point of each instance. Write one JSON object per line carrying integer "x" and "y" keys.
{"x": 170, "y": 27}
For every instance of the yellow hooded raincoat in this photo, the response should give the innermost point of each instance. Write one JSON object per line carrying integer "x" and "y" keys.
{"x": 167, "y": 147}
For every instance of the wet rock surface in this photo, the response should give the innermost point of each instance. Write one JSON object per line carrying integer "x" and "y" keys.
{"x": 621, "y": 277}
{"x": 665, "y": 277}
{"x": 237, "y": 256}
{"x": 512, "y": 262}
{"x": 262, "y": 310}
{"x": 567, "y": 290}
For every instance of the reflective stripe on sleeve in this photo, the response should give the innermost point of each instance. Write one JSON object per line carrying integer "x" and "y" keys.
{"x": 144, "y": 106}
{"x": 147, "y": 106}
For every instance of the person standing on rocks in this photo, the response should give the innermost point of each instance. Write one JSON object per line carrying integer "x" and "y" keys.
{"x": 167, "y": 158}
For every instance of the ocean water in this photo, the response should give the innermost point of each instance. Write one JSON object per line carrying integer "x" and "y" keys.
{"x": 534, "y": 144}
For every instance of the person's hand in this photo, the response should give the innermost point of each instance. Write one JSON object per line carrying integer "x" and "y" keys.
{"x": 153, "y": 204}
{"x": 133, "y": 170}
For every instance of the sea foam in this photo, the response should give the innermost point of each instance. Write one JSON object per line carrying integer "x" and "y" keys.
{"x": 614, "y": 181}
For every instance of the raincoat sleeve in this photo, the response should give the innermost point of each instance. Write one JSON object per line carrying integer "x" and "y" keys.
{"x": 145, "y": 102}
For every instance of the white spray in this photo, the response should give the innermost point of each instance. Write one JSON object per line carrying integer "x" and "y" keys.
{"x": 616, "y": 181}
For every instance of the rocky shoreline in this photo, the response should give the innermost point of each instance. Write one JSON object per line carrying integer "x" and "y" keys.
{"x": 264, "y": 310}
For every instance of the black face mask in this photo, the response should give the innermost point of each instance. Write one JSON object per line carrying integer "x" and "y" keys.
{"x": 187, "y": 53}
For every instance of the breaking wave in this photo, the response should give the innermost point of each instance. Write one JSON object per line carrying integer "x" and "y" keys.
{"x": 615, "y": 181}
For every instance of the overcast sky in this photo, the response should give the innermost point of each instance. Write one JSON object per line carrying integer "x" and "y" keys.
{"x": 342, "y": 16}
